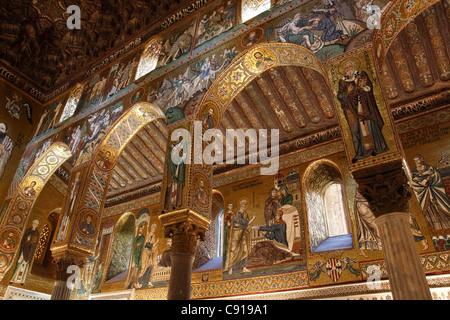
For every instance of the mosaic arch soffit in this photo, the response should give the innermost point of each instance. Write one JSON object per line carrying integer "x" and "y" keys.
{"x": 393, "y": 20}
{"x": 246, "y": 67}
{"x": 127, "y": 126}
{"x": 16, "y": 215}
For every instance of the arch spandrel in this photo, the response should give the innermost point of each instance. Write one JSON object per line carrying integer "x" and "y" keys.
{"x": 18, "y": 211}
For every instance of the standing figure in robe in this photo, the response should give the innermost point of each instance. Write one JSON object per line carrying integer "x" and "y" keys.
{"x": 28, "y": 246}
{"x": 175, "y": 179}
{"x": 430, "y": 191}
{"x": 239, "y": 240}
{"x": 6, "y": 147}
{"x": 271, "y": 206}
{"x": 355, "y": 94}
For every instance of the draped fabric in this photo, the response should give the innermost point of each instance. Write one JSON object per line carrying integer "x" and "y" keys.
{"x": 430, "y": 191}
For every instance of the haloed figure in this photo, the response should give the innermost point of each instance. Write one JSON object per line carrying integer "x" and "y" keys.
{"x": 239, "y": 239}
{"x": 175, "y": 179}
{"x": 355, "y": 94}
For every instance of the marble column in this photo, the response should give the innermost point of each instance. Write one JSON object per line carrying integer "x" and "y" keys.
{"x": 387, "y": 191}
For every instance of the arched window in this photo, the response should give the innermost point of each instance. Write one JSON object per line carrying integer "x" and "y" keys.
{"x": 335, "y": 213}
{"x": 219, "y": 234}
{"x": 72, "y": 102}
{"x": 149, "y": 58}
{"x": 43, "y": 255}
{"x": 209, "y": 252}
{"x": 327, "y": 210}
{"x": 251, "y": 8}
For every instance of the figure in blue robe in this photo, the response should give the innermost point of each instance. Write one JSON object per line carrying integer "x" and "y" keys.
{"x": 330, "y": 33}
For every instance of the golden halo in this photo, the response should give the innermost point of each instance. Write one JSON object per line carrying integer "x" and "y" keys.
{"x": 145, "y": 113}
{"x": 251, "y": 62}
{"x": 112, "y": 157}
{"x": 39, "y": 184}
{"x": 356, "y": 63}
{"x": 247, "y": 198}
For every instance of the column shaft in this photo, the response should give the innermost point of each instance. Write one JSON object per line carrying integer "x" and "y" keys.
{"x": 406, "y": 275}
{"x": 180, "y": 276}
{"x": 61, "y": 291}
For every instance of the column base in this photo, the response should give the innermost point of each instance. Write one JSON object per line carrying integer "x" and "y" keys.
{"x": 61, "y": 291}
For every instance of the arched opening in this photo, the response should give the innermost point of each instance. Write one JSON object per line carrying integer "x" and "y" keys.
{"x": 335, "y": 213}
{"x": 72, "y": 102}
{"x": 111, "y": 156}
{"x": 250, "y": 9}
{"x": 18, "y": 212}
{"x": 43, "y": 254}
{"x": 326, "y": 208}
{"x": 107, "y": 229}
{"x": 280, "y": 94}
{"x": 121, "y": 249}
{"x": 149, "y": 58}
{"x": 210, "y": 252}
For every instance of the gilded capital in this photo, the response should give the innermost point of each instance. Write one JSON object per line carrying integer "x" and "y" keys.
{"x": 386, "y": 190}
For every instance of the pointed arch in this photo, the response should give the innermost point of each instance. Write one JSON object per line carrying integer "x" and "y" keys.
{"x": 321, "y": 177}
{"x": 99, "y": 172}
{"x": 18, "y": 211}
{"x": 149, "y": 57}
{"x": 394, "y": 19}
{"x": 121, "y": 248}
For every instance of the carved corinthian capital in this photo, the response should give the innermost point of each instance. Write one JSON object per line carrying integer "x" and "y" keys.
{"x": 386, "y": 190}
{"x": 185, "y": 227}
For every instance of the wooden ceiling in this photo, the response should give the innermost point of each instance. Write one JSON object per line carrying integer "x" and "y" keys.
{"x": 294, "y": 100}
{"x": 417, "y": 63}
{"x": 141, "y": 163}
{"x": 36, "y": 42}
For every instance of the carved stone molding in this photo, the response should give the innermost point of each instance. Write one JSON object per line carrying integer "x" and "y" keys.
{"x": 386, "y": 191}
